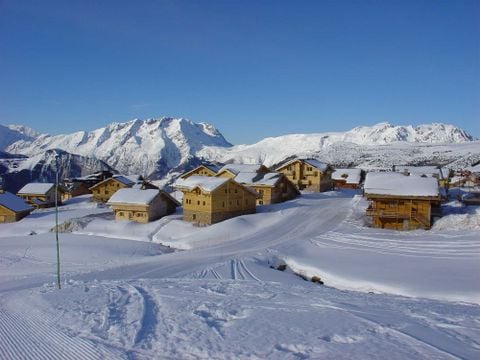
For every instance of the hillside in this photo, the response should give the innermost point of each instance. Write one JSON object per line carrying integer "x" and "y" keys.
{"x": 164, "y": 148}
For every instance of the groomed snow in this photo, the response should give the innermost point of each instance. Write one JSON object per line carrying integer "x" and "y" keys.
{"x": 36, "y": 188}
{"x": 134, "y": 196}
{"x": 387, "y": 294}
{"x": 390, "y": 183}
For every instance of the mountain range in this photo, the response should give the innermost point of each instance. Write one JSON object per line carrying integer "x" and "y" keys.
{"x": 163, "y": 148}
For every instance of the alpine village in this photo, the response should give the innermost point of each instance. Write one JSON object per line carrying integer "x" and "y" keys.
{"x": 405, "y": 198}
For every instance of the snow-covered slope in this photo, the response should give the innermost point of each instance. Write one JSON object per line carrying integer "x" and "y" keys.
{"x": 147, "y": 147}
{"x": 163, "y": 148}
{"x": 381, "y": 146}
{"x": 16, "y": 171}
{"x": 12, "y": 133}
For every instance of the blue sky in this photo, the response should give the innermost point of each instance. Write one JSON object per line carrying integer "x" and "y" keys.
{"x": 251, "y": 68}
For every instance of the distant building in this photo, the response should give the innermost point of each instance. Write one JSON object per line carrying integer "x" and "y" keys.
{"x": 81, "y": 185}
{"x": 208, "y": 200}
{"x": 40, "y": 195}
{"x": 105, "y": 189}
{"x": 272, "y": 187}
{"x": 402, "y": 202}
{"x": 202, "y": 170}
{"x": 308, "y": 174}
{"x": 347, "y": 178}
{"x": 142, "y": 205}
{"x": 12, "y": 208}
{"x": 437, "y": 172}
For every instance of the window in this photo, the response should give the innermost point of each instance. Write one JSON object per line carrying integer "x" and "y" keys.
{"x": 309, "y": 168}
{"x": 223, "y": 203}
{"x": 120, "y": 213}
{"x": 194, "y": 217}
{"x": 260, "y": 202}
{"x": 204, "y": 203}
{"x": 198, "y": 202}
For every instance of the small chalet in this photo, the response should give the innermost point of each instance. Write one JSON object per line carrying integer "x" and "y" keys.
{"x": 436, "y": 172}
{"x": 106, "y": 188}
{"x": 272, "y": 187}
{"x": 347, "y": 178}
{"x": 142, "y": 206}
{"x": 401, "y": 202}
{"x": 40, "y": 195}
{"x": 308, "y": 174}
{"x": 12, "y": 207}
{"x": 208, "y": 200}
{"x": 81, "y": 185}
{"x": 202, "y": 170}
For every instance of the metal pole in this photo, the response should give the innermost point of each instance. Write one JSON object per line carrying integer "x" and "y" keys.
{"x": 56, "y": 225}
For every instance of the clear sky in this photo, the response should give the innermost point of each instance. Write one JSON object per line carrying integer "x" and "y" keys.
{"x": 253, "y": 68}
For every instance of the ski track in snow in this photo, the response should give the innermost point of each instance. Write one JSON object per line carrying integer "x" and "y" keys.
{"x": 202, "y": 303}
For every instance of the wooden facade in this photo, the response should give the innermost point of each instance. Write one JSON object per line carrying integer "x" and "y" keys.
{"x": 307, "y": 174}
{"x": 202, "y": 170}
{"x": 271, "y": 187}
{"x": 12, "y": 211}
{"x": 204, "y": 204}
{"x": 160, "y": 205}
{"x": 347, "y": 178}
{"x": 402, "y": 212}
{"x": 41, "y": 198}
{"x": 103, "y": 191}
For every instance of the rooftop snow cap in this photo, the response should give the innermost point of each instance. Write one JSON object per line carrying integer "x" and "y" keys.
{"x": 351, "y": 176}
{"x": 206, "y": 183}
{"x": 134, "y": 196}
{"x": 389, "y": 183}
{"x": 36, "y": 188}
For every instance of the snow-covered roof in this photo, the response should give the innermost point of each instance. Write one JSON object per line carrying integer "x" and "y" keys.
{"x": 253, "y": 178}
{"x": 36, "y": 188}
{"x": 127, "y": 180}
{"x": 420, "y": 170}
{"x": 206, "y": 183}
{"x": 351, "y": 176}
{"x": 395, "y": 184}
{"x": 133, "y": 196}
{"x": 315, "y": 163}
{"x": 13, "y": 202}
{"x": 239, "y": 168}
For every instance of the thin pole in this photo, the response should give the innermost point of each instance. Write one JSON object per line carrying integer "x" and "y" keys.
{"x": 56, "y": 226}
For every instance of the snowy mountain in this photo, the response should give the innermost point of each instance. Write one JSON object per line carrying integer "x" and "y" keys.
{"x": 18, "y": 170}
{"x": 163, "y": 148}
{"x": 151, "y": 147}
{"x": 12, "y": 133}
{"x": 381, "y": 145}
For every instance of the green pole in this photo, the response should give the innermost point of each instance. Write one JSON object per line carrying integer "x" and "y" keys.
{"x": 56, "y": 226}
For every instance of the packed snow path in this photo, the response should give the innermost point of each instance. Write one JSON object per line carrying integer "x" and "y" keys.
{"x": 220, "y": 299}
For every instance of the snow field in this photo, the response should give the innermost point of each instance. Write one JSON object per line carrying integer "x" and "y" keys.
{"x": 220, "y": 298}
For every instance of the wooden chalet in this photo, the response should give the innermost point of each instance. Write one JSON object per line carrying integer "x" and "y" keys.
{"x": 401, "y": 202}
{"x": 347, "y": 178}
{"x": 308, "y": 174}
{"x": 142, "y": 206}
{"x": 208, "y": 200}
{"x": 271, "y": 187}
{"x": 12, "y": 208}
{"x": 105, "y": 189}
{"x": 41, "y": 195}
{"x": 202, "y": 170}
{"x": 81, "y": 185}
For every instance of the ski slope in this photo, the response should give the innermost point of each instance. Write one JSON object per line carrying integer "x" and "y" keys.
{"x": 185, "y": 292}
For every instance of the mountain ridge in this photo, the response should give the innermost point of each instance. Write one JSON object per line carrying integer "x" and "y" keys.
{"x": 163, "y": 148}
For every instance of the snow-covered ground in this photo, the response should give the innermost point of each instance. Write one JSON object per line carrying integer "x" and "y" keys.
{"x": 387, "y": 294}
